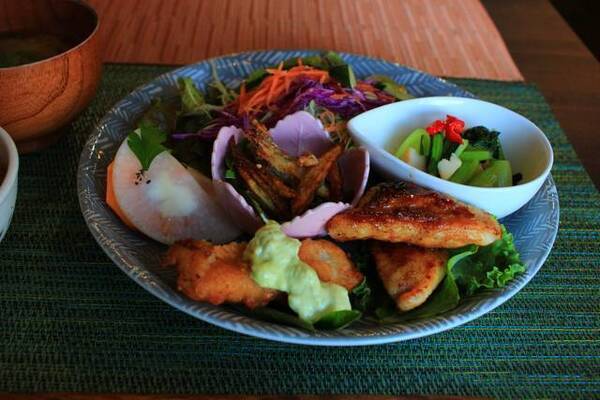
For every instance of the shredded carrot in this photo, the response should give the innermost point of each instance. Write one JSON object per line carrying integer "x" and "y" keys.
{"x": 272, "y": 88}
{"x": 339, "y": 96}
{"x": 276, "y": 85}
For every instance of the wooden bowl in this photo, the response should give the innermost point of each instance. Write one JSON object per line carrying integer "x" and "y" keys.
{"x": 39, "y": 98}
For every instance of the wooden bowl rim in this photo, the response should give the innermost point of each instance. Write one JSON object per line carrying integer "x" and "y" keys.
{"x": 93, "y": 12}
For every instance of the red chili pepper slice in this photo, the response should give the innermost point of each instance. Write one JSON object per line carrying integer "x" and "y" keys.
{"x": 452, "y": 128}
{"x": 436, "y": 126}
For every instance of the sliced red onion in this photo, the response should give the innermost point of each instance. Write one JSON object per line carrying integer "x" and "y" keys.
{"x": 217, "y": 159}
{"x": 301, "y": 133}
{"x": 312, "y": 222}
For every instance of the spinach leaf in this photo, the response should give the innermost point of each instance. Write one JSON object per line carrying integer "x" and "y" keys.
{"x": 482, "y": 138}
{"x": 370, "y": 294}
{"x": 281, "y": 317}
{"x": 338, "y": 319}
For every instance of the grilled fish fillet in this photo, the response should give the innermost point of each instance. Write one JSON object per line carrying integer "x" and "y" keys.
{"x": 403, "y": 212}
{"x": 409, "y": 273}
{"x": 217, "y": 273}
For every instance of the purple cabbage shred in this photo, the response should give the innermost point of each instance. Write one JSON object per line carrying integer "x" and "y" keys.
{"x": 346, "y": 102}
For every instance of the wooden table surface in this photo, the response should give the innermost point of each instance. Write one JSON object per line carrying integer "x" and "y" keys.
{"x": 545, "y": 49}
{"x": 422, "y": 34}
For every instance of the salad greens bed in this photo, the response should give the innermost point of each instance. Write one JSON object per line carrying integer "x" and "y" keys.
{"x": 188, "y": 124}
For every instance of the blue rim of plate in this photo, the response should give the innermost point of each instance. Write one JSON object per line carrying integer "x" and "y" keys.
{"x": 534, "y": 226}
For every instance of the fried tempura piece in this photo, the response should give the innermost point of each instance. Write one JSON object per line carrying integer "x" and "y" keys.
{"x": 216, "y": 274}
{"x": 331, "y": 263}
{"x": 313, "y": 178}
{"x": 402, "y": 212}
{"x": 409, "y": 273}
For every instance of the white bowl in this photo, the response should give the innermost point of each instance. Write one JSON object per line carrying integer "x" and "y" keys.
{"x": 9, "y": 161}
{"x": 383, "y": 129}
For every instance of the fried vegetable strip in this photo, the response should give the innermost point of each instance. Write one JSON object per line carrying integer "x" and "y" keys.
{"x": 267, "y": 151}
{"x": 313, "y": 178}
{"x": 268, "y": 189}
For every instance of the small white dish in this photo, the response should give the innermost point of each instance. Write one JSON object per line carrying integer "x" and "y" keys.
{"x": 383, "y": 129}
{"x": 9, "y": 167}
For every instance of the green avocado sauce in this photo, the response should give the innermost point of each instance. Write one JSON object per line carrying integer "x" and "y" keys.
{"x": 276, "y": 265}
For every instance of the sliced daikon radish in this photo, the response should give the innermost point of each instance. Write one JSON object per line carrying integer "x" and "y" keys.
{"x": 168, "y": 202}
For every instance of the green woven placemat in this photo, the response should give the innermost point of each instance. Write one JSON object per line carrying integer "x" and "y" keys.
{"x": 72, "y": 321}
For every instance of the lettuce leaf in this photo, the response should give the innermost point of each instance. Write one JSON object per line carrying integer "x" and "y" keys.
{"x": 489, "y": 267}
{"x": 191, "y": 98}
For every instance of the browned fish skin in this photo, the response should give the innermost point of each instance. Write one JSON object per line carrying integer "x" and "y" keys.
{"x": 409, "y": 273}
{"x": 403, "y": 212}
